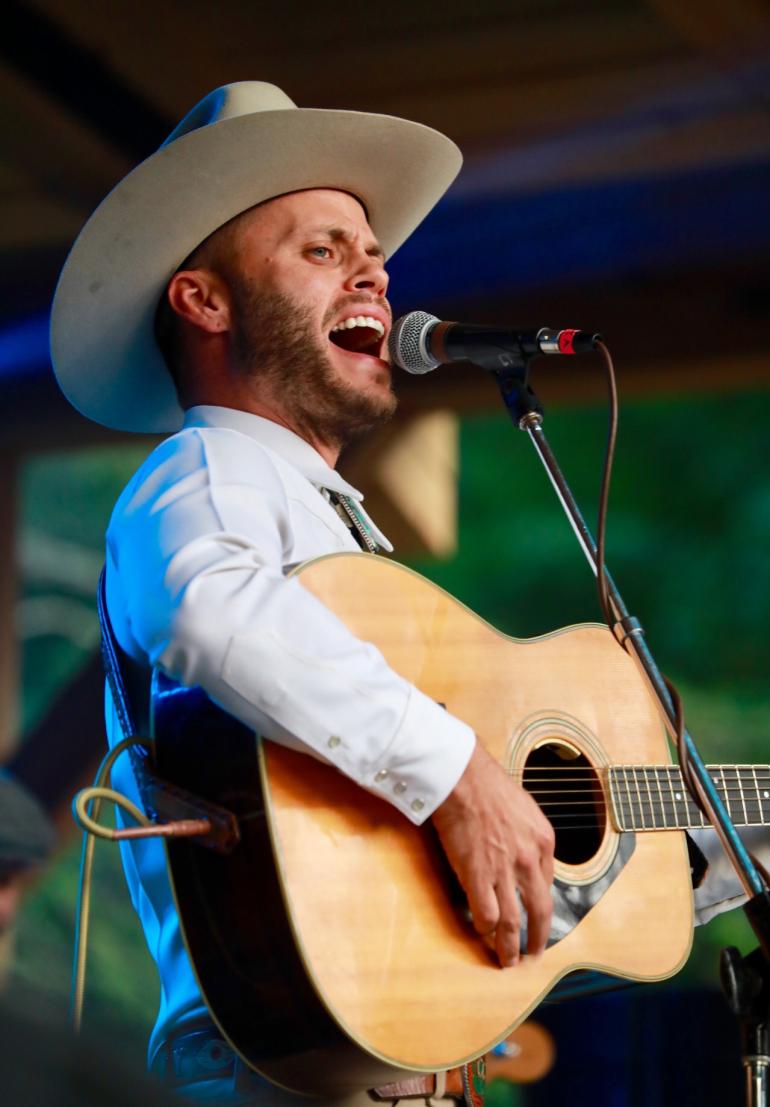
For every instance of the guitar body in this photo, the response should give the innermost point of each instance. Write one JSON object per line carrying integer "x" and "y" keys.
{"x": 331, "y": 945}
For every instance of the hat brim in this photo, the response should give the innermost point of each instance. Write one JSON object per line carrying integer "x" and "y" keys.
{"x": 102, "y": 343}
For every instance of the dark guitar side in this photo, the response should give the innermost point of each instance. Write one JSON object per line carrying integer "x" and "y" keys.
{"x": 233, "y": 914}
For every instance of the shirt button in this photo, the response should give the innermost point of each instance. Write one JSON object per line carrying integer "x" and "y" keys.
{"x": 417, "y": 805}
{"x": 400, "y": 788}
{"x": 333, "y": 741}
{"x": 381, "y": 775}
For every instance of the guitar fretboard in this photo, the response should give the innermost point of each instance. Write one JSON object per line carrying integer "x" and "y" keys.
{"x": 653, "y": 797}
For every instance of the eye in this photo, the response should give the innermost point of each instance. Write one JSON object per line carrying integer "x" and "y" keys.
{"x": 324, "y": 253}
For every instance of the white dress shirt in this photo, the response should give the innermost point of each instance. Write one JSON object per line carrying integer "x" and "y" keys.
{"x": 198, "y": 548}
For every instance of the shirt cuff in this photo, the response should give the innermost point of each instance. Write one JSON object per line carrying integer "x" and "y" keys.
{"x": 425, "y": 760}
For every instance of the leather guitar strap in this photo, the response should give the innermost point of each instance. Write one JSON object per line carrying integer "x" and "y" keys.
{"x": 129, "y": 685}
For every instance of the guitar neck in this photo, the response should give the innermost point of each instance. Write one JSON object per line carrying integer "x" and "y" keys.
{"x": 653, "y": 797}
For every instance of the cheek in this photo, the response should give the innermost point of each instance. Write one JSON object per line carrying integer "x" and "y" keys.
{"x": 309, "y": 286}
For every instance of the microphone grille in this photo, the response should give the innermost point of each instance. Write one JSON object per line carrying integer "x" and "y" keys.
{"x": 406, "y": 343}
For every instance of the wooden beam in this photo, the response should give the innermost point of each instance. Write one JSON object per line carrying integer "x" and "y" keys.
{"x": 740, "y": 28}
{"x": 467, "y": 390}
{"x": 408, "y": 472}
{"x": 63, "y": 158}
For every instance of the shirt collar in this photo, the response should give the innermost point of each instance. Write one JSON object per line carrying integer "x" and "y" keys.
{"x": 286, "y": 444}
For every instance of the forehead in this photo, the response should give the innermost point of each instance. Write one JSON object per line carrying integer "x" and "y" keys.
{"x": 313, "y": 209}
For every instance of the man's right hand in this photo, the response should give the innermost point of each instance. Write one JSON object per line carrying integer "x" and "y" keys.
{"x": 497, "y": 840}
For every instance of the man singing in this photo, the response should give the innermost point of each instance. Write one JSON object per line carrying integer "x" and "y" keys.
{"x": 231, "y": 290}
{"x": 250, "y": 250}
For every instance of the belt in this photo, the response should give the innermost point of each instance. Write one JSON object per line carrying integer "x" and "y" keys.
{"x": 193, "y": 1055}
{"x": 190, "y": 1055}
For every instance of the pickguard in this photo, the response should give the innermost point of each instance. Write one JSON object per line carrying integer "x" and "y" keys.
{"x": 572, "y": 902}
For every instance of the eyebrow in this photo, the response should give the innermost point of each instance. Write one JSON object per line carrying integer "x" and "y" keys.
{"x": 338, "y": 234}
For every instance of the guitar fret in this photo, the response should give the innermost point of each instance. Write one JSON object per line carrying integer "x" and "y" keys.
{"x": 650, "y": 803}
{"x": 737, "y": 783}
{"x": 681, "y": 812}
{"x": 697, "y": 818}
{"x": 619, "y": 793}
{"x": 636, "y": 770}
{"x": 725, "y": 793}
{"x": 626, "y": 814}
{"x": 694, "y": 814}
{"x": 669, "y": 805}
{"x": 754, "y": 803}
{"x": 700, "y": 817}
{"x": 631, "y": 793}
{"x": 763, "y": 792}
{"x": 662, "y": 801}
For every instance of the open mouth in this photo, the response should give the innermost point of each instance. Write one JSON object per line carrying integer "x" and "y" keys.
{"x": 359, "y": 334}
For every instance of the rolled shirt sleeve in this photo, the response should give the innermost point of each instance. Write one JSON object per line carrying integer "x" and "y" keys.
{"x": 197, "y": 552}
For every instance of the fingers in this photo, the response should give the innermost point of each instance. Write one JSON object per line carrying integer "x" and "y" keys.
{"x": 482, "y": 902}
{"x": 497, "y": 917}
{"x": 508, "y": 930}
{"x": 536, "y": 897}
{"x": 496, "y": 909}
{"x": 535, "y": 876}
{"x": 547, "y": 843}
{"x": 497, "y": 839}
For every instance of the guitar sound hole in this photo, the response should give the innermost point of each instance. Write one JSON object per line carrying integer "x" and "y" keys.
{"x": 567, "y": 789}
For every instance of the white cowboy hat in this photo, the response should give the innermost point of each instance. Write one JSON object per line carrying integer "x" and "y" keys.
{"x": 242, "y": 144}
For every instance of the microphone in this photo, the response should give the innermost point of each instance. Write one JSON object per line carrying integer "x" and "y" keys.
{"x": 420, "y": 342}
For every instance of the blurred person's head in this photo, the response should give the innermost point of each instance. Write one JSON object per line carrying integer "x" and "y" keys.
{"x": 26, "y": 840}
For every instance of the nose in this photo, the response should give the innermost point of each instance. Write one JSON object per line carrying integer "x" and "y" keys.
{"x": 368, "y": 275}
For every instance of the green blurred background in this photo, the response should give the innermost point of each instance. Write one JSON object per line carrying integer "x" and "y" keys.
{"x": 688, "y": 542}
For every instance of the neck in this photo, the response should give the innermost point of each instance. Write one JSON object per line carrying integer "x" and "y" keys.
{"x": 329, "y": 451}
{"x": 653, "y": 797}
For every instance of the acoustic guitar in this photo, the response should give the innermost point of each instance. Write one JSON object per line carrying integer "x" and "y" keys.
{"x": 333, "y": 944}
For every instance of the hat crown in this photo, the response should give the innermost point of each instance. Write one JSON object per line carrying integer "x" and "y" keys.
{"x": 230, "y": 101}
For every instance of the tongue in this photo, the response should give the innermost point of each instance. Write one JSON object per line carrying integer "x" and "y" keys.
{"x": 357, "y": 340}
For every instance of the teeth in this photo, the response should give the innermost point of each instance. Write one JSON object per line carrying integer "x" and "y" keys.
{"x": 360, "y": 321}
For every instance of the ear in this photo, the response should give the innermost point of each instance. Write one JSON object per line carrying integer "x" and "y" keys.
{"x": 200, "y": 297}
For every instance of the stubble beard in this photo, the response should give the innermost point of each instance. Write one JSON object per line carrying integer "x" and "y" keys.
{"x": 276, "y": 343}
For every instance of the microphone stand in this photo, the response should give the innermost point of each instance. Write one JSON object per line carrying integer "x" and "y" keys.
{"x": 745, "y": 981}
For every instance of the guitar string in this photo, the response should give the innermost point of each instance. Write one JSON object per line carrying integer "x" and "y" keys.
{"x": 645, "y": 771}
{"x": 662, "y": 806}
{"x": 736, "y": 788}
{"x": 648, "y": 808}
{"x": 765, "y": 769}
{"x": 593, "y": 794}
{"x": 623, "y": 786}
{"x": 652, "y": 808}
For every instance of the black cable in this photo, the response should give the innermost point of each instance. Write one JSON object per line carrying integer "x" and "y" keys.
{"x": 604, "y": 495}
